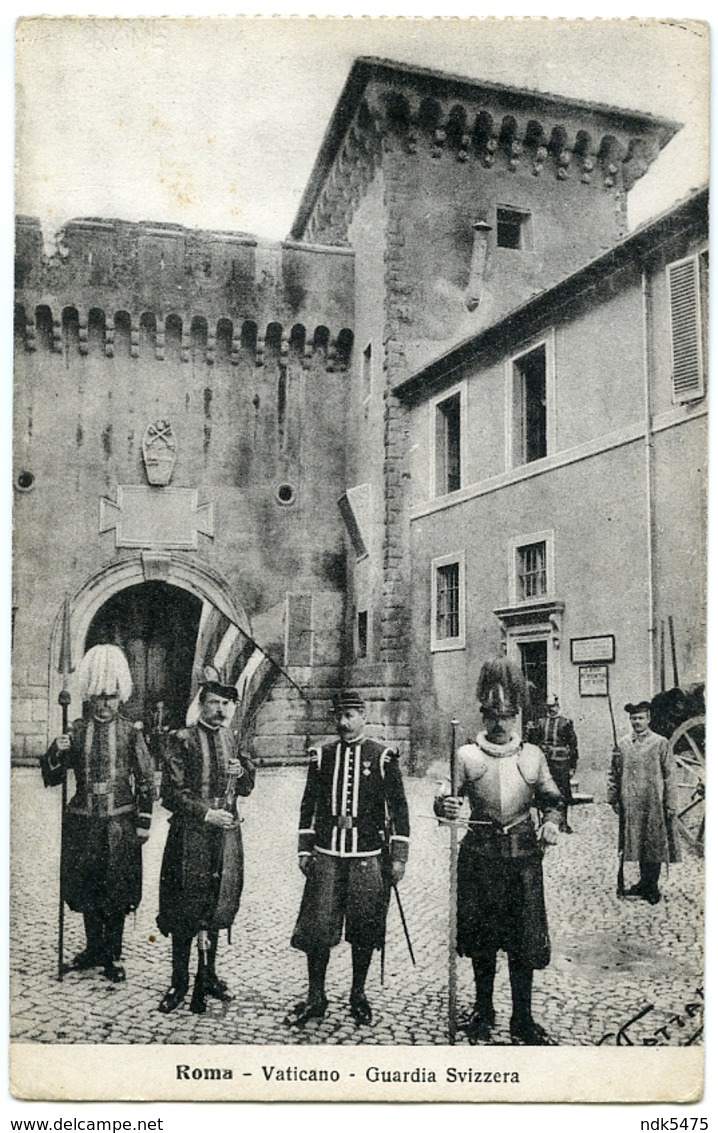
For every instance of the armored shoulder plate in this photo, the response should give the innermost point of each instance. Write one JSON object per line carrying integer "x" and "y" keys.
{"x": 472, "y": 762}
{"x": 529, "y": 762}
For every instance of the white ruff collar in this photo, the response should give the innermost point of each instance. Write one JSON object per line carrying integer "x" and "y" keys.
{"x": 509, "y": 748}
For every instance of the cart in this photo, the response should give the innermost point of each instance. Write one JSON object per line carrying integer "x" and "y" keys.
{"x": 679, "y": 715}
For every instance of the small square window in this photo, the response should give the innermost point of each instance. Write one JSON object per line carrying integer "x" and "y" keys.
{"x": 513, "y": 228}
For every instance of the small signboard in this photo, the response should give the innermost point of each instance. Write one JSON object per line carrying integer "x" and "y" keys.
{"x": 585, "y": 650}
{"x": 593, "y": 680}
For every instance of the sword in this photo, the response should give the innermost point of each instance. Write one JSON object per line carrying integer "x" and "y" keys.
{"x": 393, "y": 886}
{"x": 403, "y": 921}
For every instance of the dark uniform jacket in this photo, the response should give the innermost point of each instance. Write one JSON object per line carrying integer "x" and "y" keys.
{"x": 556, "y": 737}
{"x": 354, "y": 803}
{"x": 203, "y": 866}
{"x": 114, "y": 778}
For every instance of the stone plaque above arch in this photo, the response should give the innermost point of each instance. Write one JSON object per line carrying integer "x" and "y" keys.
{"x": 171, "y": 519}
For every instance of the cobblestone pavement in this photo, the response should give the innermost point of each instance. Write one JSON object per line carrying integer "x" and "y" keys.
{"x": 611, "y": 959}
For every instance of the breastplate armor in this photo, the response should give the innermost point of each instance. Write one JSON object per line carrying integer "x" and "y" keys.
{"x": 499, "y": 782}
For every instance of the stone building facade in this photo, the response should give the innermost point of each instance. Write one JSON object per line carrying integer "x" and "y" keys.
{"x": 320, "y": 467}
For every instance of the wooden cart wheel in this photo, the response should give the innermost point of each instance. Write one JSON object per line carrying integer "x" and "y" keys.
{"x": 687, "y": 746}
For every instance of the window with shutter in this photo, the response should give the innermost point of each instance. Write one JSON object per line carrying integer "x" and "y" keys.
{"x": 298, "y": 644}
{"x": 686, "y": 316}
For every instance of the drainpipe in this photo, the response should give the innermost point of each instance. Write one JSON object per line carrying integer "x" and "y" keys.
{"x": 479, "y": 256}
{"x": 650, "y": 500}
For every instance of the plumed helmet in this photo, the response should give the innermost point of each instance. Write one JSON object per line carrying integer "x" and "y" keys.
{"x": 502, "y": 688}
{"x": 104, "y": 671}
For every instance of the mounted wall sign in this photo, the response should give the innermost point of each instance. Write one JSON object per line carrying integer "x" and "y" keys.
{"x": 593, "y": 680}
{"x": 587, "y": 649}
{"x": 159, "y": 452}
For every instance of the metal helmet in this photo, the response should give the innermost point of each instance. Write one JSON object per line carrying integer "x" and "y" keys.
{"x": 502, "y": 688}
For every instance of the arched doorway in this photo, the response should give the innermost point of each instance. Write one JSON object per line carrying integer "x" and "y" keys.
{"x": 156, "y": 625}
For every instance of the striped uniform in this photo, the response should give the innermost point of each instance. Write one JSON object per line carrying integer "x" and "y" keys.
{"x": 114, "y": 780}
{"x": 353, "y": 815}
{"x": 203, "y": 866}
{"x": 556, "y": 737}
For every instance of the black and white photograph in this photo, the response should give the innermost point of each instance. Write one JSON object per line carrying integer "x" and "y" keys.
{"x": 359, "y": 559}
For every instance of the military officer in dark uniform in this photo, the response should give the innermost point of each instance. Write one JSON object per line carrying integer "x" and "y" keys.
{"x": 108, "y": 819}
{"x": 353, "y": 813}
{"x": 203, "y": 864}
{"x": 500, "y": 878}
{"x": 556, "y": 737}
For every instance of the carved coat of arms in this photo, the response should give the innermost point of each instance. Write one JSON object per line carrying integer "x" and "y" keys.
{"x": 159, "y": 452}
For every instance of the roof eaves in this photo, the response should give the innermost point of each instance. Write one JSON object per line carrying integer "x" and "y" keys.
{"x": 364, "y": 67}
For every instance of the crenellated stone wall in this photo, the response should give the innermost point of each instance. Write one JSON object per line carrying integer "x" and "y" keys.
{"x": 242, "y": 347}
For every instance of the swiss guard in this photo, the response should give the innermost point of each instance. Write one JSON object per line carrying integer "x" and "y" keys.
{"x": 500, "y": 877}
{"x": 353, "y": 844}
{"x": 203, "y": 865}
{"x": 108, "y": 819}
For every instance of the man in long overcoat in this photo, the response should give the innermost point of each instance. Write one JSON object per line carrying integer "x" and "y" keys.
{"x": 501, "y": 903}
{"x": 203, "y": 864}
{"x": 642, "y": 791}
{"x": 108, "y": 818}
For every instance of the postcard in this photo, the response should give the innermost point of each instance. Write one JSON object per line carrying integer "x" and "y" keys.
{"x": 359, "y": 560}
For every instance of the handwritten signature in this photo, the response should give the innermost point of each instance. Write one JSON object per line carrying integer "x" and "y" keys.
{"x": 661, "y": 1036}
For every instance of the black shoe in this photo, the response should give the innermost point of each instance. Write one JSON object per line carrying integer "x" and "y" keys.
{"x": 653, "y": 896}
{"x": 172, "y": 998}
{"x": 530, "y": 1033}
{"x": 305, "y": 1010}
{"x": 218, "y": 989}
{"x": 115, "y": 972}
{"x": 636, "y": 891}
{"x": 568, "y": 829}
{"x": 478, "y": 1026}
{"x": 360, "y": 1008}
{"x": 198, "y": 1003}
{"x": 88, "y": 958}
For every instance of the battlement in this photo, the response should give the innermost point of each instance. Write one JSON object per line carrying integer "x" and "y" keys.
{"x": 230, "y": 284}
